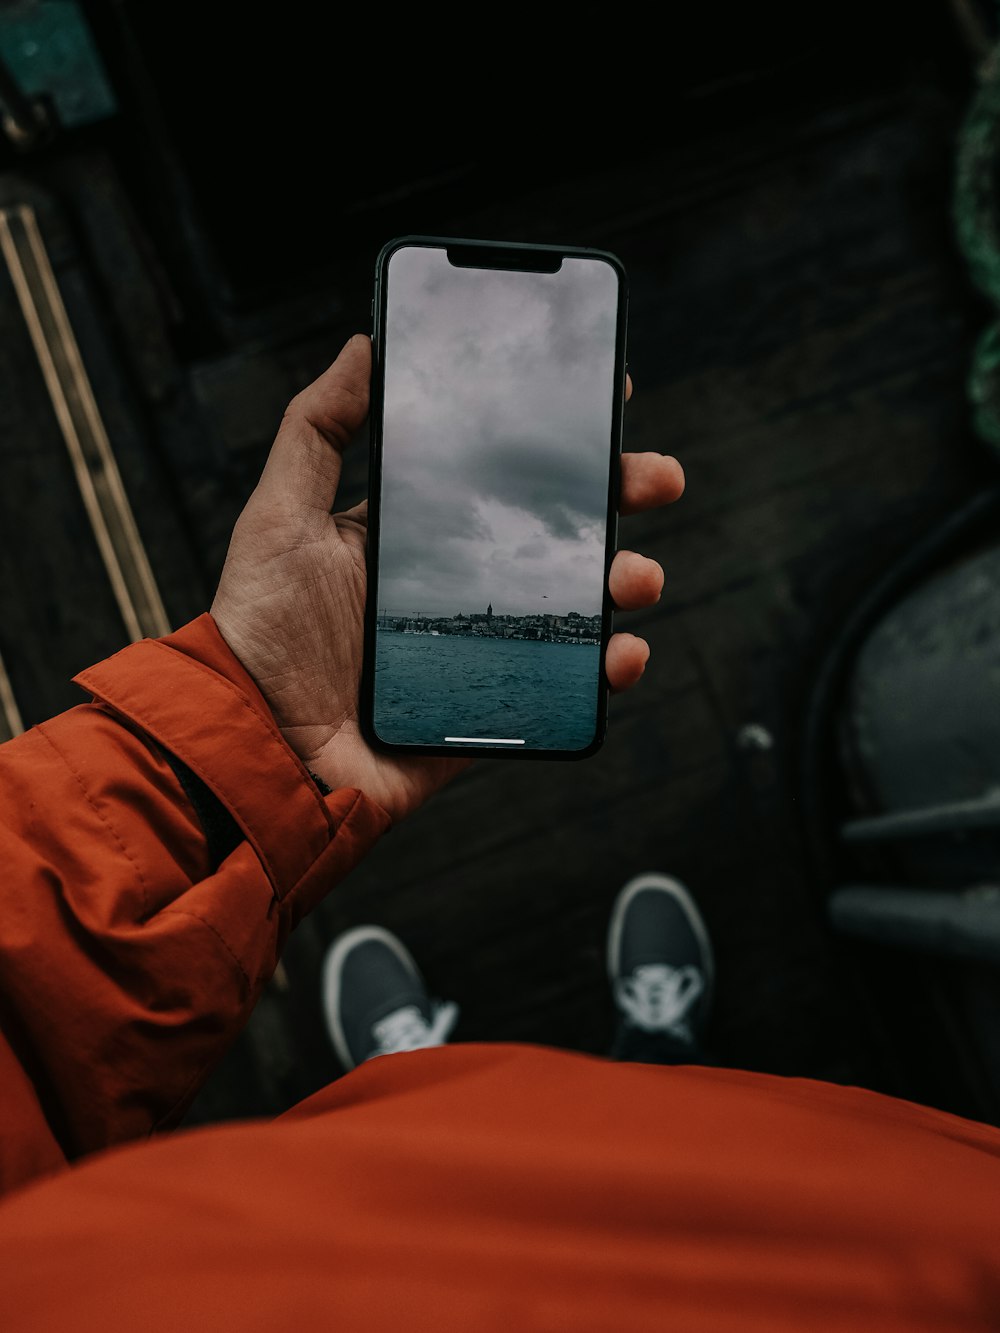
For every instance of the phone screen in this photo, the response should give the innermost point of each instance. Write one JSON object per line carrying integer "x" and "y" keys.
{"x": 498, "y": 433}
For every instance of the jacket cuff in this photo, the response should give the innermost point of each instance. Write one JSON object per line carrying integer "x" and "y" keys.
{"x": 190, "y": 694}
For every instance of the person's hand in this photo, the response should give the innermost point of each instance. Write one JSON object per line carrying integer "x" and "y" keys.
{"x": 291, "y": 598}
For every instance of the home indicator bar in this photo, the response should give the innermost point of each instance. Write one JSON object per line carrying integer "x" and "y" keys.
{"x": 484, "y": 740}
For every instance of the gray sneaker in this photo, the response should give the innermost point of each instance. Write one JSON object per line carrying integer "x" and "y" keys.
{"x": 661, "y": 970}
{"x": 375, "y": 999}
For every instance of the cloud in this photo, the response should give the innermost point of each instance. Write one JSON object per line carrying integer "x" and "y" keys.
{"x": 565, "y": 490}
{"x": 497, "y": 435}
{"x": 531, "y": 551}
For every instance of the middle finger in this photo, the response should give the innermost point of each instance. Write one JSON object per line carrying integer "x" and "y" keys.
{"x": 635, "y": 581}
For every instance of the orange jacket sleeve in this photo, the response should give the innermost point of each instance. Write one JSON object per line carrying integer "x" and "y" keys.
{"x": 127, "y": 961}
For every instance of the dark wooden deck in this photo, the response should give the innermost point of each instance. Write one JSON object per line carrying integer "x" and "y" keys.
{"x": 800, "y": 329}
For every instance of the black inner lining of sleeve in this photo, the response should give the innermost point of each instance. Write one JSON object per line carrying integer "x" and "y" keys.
{"x": 222, "y": 833}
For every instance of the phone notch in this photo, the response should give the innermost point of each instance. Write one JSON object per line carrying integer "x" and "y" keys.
{"x": 513, "y": 258}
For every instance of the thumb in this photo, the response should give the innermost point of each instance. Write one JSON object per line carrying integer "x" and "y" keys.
{"x": 303, "y": 467}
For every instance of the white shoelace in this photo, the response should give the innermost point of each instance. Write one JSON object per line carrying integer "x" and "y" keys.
{"x": 658, "y": 998}
{"x": 406, "y": 1029}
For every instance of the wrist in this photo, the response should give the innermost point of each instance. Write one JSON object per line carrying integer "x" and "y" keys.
{"x": 191, "y": 696}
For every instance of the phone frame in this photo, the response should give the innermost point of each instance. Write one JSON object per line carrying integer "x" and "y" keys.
{"x": 515, "y": 256}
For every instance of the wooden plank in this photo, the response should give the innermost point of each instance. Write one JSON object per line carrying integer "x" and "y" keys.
{"x": 59, "y": 612}
{"x": 91, "y": 456}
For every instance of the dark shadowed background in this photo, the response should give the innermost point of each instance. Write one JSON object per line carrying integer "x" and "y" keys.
{"x": 779, "y": 189}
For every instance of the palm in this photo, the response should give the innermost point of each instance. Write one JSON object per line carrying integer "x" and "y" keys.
{"x": 293, "y": 611}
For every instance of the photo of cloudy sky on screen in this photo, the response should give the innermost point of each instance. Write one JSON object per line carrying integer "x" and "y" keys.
{"x": 497, "y": 435}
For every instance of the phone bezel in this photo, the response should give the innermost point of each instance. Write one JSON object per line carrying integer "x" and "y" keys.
{"x": 508, "y": 252}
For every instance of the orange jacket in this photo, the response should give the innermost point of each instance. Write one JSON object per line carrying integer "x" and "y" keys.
{"x": 470, "y": 1187}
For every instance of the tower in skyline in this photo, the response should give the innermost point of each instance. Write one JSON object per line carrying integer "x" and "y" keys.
{"x": 489, "y": 614}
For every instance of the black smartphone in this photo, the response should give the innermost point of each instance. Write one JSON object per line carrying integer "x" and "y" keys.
{"x": 497, "y": 397}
